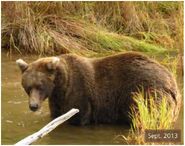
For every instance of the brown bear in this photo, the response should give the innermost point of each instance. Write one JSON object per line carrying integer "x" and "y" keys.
{"x": 101, "y": 88}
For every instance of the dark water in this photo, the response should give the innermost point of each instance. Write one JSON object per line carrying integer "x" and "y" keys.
{"x": 18, "y": 121}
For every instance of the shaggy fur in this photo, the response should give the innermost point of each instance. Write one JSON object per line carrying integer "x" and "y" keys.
{"x": 101, "y": 88}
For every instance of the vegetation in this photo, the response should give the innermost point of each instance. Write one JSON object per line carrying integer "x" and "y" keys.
{"x": 92, "y": 28}
{"x": 149, "y": 115}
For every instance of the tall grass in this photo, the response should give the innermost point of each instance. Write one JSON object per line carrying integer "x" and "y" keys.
{"x": 149, "y": 114}
{"x": 91, "y": 28}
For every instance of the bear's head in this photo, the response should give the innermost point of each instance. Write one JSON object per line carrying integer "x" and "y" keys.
{"x": 38, "y": 79}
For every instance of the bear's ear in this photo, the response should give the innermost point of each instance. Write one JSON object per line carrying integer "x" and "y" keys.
{"x": 52, "y": 64}
{"x": 22, "y": 64}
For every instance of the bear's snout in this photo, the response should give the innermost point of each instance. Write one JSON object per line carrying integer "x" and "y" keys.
{"x": 34, "y": 100}
{"x": 34, "y": 107}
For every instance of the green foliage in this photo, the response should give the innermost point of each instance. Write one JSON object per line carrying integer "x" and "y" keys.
{"x": 149, "y": 114}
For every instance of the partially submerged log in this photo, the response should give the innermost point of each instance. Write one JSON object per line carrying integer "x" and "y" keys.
{"x": 48, "y": 128}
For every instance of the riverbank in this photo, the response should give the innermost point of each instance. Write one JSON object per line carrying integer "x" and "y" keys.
{"x": 50, "y": 28}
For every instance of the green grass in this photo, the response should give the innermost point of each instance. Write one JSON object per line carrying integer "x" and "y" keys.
{"x": 149, "y": 114}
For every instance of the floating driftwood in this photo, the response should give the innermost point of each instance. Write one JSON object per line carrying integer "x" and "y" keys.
{"x": 48, "y": 128}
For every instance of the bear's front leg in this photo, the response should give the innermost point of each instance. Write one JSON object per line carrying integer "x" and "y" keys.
{"x": 55, "y": 110}
{"x": 83, "y": 117}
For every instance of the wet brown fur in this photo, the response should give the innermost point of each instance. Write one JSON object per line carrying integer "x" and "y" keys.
{"x": 102, "y": 88}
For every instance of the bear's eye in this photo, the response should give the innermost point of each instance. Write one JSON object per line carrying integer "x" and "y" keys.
{"x": 28, "y": 89}
{"x": 39, "y": 87}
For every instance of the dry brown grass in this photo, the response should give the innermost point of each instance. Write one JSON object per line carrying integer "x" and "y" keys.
{"x": 91, "y": 28}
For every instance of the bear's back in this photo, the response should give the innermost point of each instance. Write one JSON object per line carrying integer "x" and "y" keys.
{"x": 129, "y": 69}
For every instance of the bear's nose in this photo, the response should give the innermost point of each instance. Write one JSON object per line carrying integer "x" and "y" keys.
{"x": 33, "y": 107}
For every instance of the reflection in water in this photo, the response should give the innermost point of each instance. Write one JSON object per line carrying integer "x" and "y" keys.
{"x": 18, "y": 121}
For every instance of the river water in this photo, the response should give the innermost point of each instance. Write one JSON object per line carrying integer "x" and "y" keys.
{"x": 18, "y": 121}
